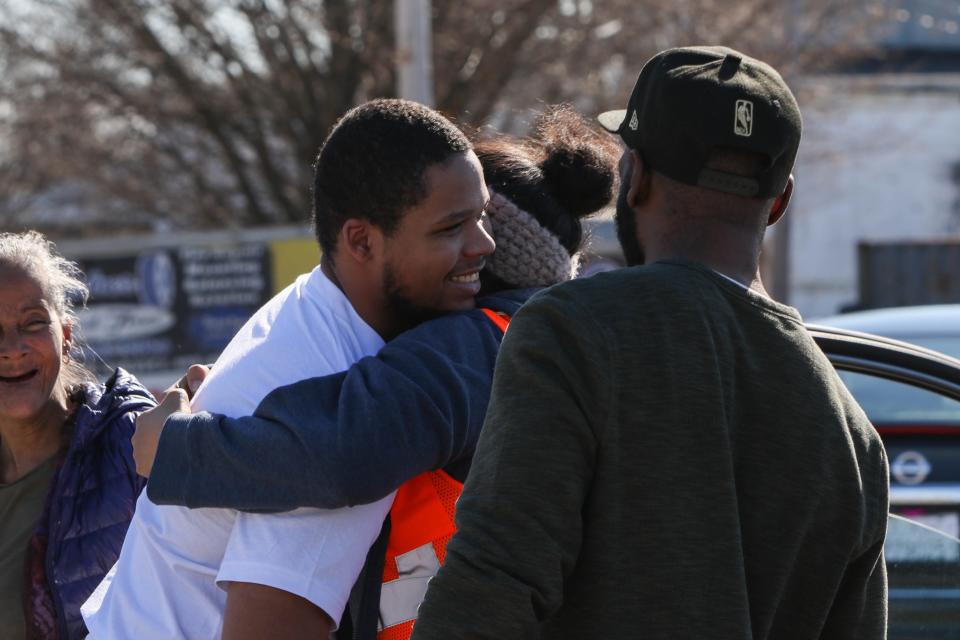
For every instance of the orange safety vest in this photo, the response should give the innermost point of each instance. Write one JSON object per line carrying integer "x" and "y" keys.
{"x": 421, "y": 525}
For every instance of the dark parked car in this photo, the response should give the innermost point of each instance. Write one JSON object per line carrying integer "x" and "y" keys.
{"x": 912, "y": 394}
{"x": 920, "y": 428}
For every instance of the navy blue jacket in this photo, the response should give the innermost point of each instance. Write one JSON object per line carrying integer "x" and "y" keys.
{"x": 88, "y": 509}
{"x": 348, "y": 438}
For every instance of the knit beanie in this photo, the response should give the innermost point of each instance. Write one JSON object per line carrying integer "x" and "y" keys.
{"x": 527, "y": 254}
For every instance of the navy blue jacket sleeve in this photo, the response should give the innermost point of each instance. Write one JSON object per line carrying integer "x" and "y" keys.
{"x": 339, "y": 440}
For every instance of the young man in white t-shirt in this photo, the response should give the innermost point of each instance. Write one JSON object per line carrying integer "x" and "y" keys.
{"x": 398, "y": 201}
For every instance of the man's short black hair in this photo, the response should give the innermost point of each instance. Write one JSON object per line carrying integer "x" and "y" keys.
{"x": 372, "y": 165}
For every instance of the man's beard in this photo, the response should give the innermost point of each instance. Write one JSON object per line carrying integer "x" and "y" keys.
{"x": 626, "y": 222}
{"x": 404, "y": 312}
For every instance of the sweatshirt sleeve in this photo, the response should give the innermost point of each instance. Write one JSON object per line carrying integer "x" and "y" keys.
{"x": 519, "y": 518}
{"x": 340, "y": 440}
{"x": 859, "y": 608}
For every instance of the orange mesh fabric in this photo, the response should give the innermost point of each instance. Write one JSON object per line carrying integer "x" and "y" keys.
{"x": 440, "y": 546}
{"x": 422, "y": 513}
{"x": 448, "y": 490}
{"x": 400, "y": 631}
{"x": 390, "y": 571}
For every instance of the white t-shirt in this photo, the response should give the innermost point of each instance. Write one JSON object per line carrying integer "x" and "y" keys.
{"x": 165, "y": 583}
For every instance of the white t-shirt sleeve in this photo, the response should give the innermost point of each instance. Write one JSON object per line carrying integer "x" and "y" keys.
{"x": 312, "y": 553}
{"x": 165, "y": 584}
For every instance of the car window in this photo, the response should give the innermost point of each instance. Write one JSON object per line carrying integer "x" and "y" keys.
{"x": 923, "y": 569}
{"x": 887, "y": 402}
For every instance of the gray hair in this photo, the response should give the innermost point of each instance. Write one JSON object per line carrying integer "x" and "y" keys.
{"x": 62, "y": 283}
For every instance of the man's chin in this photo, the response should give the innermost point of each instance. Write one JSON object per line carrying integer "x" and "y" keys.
{"x": 407, "y": 314}
{"x": 465, "y": 304}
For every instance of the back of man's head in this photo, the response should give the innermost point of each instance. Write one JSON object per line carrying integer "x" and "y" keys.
{"x": 713, "y": 119}
{"x": 684, "y": 200}
{"x": 372, "y": 165}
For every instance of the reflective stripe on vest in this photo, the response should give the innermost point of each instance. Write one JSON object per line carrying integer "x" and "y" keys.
{"x": 421, "y": 524}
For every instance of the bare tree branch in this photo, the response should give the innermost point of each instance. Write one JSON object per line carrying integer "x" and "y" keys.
{"x": 210, "y": 112}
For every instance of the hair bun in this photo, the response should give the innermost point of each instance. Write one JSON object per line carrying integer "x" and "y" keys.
{"x": 579, "y": 161}
{"x": 565, "y": 170}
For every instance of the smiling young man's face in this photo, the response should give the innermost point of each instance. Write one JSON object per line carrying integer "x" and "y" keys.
{"x": 32, "y": 345}
{"x": 432, "y": 261}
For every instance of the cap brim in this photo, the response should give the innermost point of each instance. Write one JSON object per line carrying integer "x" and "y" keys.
{"x": 612, "y": 120}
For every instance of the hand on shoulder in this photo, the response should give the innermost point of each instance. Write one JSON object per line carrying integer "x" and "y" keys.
{"x": 146, "y": 437}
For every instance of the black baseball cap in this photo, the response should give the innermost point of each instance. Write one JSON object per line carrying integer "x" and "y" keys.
{"x": 691, "y": 100}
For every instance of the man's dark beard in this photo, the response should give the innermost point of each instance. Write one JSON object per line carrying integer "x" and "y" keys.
{"x": 626, "y": 222}
{"x": 404, "y": 313}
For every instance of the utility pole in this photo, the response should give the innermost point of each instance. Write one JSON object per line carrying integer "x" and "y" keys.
{"x": 414, "y": 50}
{"x": 782, "y": 258}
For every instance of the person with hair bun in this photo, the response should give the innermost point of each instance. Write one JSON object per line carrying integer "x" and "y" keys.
{"x": 541, "y": 187}
{"x": 68, "y": 482}
{"x": 413, "y": 411}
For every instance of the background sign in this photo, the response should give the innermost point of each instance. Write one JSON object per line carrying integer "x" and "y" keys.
{"x": 160, "y": 310}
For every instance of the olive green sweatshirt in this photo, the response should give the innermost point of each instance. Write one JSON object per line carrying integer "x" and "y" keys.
{"x": 665, "y": 455}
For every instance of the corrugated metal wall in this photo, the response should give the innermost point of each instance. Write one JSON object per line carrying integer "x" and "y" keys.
{"x": 894, "y": 274}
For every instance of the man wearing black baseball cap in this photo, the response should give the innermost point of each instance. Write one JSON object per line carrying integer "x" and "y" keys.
{"x": 713, "y": 118}
{"x": 667, "y": 453}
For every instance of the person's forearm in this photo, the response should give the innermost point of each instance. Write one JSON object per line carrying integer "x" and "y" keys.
{"x": 340, "y": 440}
{"x": 257, "y": 612}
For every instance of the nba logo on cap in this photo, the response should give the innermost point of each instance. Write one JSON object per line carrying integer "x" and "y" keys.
{"x": 743, "y": 118}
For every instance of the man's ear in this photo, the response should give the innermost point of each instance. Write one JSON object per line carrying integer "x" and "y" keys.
{"x": 780, "y": 205}
{"x": 357, "y": 240}
{"x": 638, "y": 179}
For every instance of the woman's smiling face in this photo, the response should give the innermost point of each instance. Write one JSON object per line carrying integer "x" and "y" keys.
{"x": 33, "y": 342}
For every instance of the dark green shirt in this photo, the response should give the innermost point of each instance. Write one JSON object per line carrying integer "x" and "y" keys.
{"x": 666, "y": 455}
{"x": 21, "y": 506}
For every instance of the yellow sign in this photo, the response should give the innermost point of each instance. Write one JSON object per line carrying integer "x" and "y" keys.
{"x": 292, "y": 257}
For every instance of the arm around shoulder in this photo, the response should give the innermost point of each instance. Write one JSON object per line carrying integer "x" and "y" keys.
{"x": 352, "y": 437}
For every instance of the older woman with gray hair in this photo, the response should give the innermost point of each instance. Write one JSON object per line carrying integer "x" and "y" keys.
{"x": 68, "y": 483}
